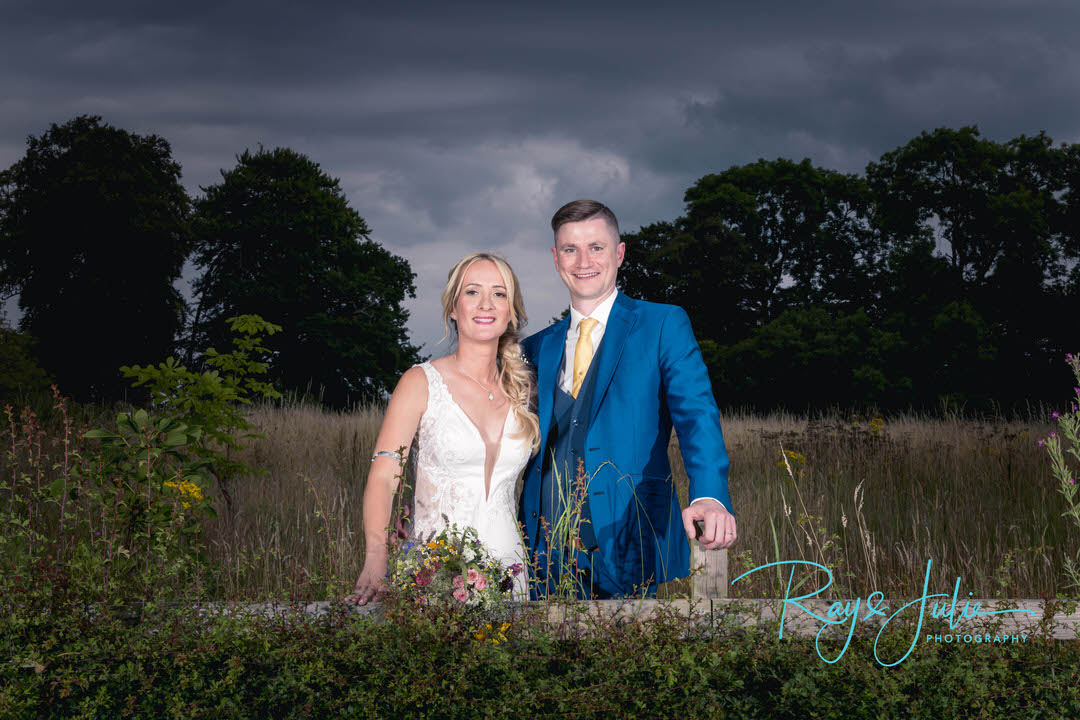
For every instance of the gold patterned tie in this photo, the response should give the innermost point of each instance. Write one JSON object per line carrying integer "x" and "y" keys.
{"x": 583, "y": 353}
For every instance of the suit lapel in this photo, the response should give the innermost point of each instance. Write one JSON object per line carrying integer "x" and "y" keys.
{"x": 551, "y": 352}
{"x": 620, "y": 322}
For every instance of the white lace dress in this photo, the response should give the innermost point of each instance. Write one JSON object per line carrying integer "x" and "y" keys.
{"x": 450, "y": 477}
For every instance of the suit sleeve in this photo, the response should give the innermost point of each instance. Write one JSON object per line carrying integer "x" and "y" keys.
{"x": 693, "y": 409}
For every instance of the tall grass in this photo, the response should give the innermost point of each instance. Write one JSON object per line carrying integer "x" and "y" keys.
{"x": 973, "y": 497}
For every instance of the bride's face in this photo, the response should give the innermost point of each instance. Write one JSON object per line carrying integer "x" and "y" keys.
{"x": 482, "y": 308}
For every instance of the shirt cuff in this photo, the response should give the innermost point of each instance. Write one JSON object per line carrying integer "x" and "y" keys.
{"x": 706, "y": 497}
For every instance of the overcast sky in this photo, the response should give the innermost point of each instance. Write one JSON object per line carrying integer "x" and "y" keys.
{"x": 463, "y": 126}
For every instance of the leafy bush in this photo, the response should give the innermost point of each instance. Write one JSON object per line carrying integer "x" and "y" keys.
{"x": 214, "y": 400}
{"x": 117, "y": 523}
{"x": 20, "y": 372}
{"x": 177, "y": 664}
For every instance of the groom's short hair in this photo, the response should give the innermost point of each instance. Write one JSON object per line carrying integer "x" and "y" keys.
{"x": 581, "y": 210}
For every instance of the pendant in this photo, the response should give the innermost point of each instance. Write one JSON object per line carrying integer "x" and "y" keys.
{"x": 491, "y": 396}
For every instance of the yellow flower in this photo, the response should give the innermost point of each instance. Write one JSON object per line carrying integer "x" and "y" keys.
{"x": 187, "y": 489}
{"x": 793, "y": 456}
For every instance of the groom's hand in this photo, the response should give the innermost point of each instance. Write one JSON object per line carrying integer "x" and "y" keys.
{"x": 719, "y": 529}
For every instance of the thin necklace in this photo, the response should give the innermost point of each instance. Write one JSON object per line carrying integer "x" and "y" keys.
{"x": 491, "y": 395}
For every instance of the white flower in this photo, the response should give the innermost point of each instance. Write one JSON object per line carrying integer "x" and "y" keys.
{"x": 468, "y": 554}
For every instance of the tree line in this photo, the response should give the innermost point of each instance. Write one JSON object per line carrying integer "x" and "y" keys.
{"x": 96, "y": 228}
{"x": 946, "y": 275}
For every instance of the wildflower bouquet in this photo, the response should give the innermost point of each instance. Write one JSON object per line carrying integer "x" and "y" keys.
{"x": 452, "y": 569}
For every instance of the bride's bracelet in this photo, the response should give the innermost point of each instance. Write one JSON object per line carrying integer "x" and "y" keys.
{"x": 386, "y": 453}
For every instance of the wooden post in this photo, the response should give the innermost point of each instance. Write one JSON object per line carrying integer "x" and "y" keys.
{"x": 712, "y": 581}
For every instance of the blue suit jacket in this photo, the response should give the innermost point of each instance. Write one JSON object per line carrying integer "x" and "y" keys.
{"x": 650, "y": 376}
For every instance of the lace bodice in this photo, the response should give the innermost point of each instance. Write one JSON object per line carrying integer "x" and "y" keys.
{"x": 450, "y": 473}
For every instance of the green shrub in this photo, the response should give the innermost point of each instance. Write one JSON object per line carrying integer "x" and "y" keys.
{"x": 214, "y": 400}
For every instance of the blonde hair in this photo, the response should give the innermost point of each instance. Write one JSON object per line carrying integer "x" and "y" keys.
{"x": 515, "y": 377}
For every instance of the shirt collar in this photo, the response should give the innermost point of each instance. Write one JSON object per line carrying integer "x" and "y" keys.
{"x": 600, "y": 314}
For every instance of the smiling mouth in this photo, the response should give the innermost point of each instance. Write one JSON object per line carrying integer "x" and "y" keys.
{"x": 484, "y": 320}
{"x": 586, "y": 276}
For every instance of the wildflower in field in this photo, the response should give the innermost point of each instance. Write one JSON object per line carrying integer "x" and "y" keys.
{"x": 1055, "y": 414}
{"x": 877, "y": 425}
{"x": 187, "y": 489}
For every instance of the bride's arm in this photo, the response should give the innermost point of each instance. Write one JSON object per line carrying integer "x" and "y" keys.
{"x": 402, "y": 417}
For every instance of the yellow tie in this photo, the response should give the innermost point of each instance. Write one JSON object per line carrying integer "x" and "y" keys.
{"x": 583, "y": 353}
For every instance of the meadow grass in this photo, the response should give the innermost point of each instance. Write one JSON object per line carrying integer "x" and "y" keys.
{"x": 874, "y": 499}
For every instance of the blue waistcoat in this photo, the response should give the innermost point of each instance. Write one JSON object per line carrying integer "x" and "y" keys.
{"x": 566, "y": 444}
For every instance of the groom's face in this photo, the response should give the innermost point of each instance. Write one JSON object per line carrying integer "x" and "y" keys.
{"x": 588, "y": 255}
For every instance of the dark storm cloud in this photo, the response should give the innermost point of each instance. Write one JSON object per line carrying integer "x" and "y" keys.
{"x": 456, "y": 126}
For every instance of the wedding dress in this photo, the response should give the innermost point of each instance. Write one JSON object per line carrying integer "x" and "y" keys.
{"x": 450, "y": 481}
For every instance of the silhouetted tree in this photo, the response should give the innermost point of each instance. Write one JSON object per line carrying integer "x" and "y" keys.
{"x": 277, "y": 238}
{"x": 93, "y": 235}
{"x": 996, "y": 214}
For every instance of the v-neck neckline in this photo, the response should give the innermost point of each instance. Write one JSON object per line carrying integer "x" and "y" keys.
{"x": 476, "y": 429}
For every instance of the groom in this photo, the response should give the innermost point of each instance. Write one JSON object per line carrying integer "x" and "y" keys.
{"x": 613, "y": 378}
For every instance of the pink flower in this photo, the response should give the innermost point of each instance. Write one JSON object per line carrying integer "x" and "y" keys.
{"x": 1054, "y": 414}
{"x": 461, "y": 594}
{"x": 458, "y": 582}
{"x": 473, "y": 576}
{"x": 481, "y": 582}
{"x": 423, "y": 578}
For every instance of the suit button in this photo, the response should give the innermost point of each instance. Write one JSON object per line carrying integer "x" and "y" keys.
{"x": 534, "y": 514}
{"x": 576, "y": 421}
{"x": 573, "y": 451}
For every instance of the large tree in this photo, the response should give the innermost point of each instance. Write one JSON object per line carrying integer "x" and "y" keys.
{"x": 276, "y": 237}
{"x": 995, "y": 217}
{"x": 93, "y": 235}
{"x": 757, "y": 240}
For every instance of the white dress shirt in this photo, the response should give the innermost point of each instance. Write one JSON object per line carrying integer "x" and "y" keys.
{"x": 600, "y": 314}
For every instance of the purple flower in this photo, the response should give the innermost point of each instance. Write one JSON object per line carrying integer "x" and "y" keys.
{"x": 1054, "y": 414}
{"x": 1040, "y": 443}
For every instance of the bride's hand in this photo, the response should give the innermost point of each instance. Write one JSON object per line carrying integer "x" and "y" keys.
{"x": 370, "y": 585}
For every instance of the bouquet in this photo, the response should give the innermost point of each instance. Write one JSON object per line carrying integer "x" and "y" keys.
{"x": 452, "y": 569}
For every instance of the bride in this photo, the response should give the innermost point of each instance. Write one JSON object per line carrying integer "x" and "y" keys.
{"x": 476, "y": 429}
